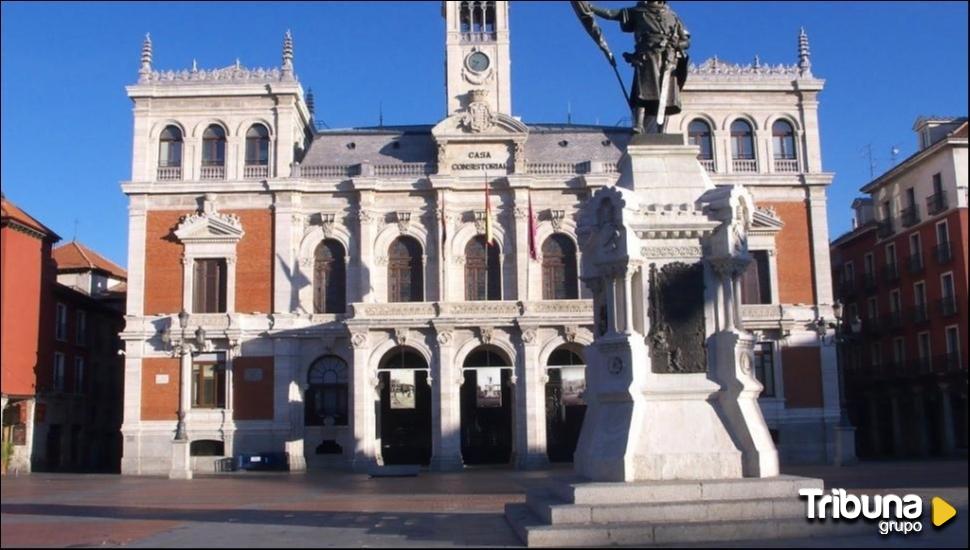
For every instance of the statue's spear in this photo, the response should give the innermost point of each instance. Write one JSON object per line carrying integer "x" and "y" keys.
{"x": 585, "y": 14}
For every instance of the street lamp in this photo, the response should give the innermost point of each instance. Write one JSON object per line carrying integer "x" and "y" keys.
{"x": 180, "y": 434}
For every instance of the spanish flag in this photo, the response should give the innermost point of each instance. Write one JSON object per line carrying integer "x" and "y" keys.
{"x": 488, "y": 215}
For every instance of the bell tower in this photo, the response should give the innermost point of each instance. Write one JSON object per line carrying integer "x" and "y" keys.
{"x": 477, "y": 54}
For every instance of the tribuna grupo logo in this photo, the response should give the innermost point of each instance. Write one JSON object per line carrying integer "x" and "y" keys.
{"x": 894, "y": 513}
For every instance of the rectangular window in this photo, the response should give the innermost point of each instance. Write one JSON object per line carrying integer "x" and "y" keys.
{"x": 60, "y": 326}
{"x": 756, "y": 280}
{"x": 849, "y": 272}
{"x": 895, "y": 305}
{"x": 78, "y": 375}
{"x": 209, "y": 381}
{"x": 869, "y": 264}
{"x": 58, "y": 381}
{"x": 942, "y": 233}
{"x": 899, "y": 351}
{"x": 915, "y": 248}
{"x": 923, "y": 342}
{"x": 875, "y": 354}
{"x": 952, "y": 348}
{"x": 209, "y": 286}
{"x": 910, "y": 197}
{"x": 81, "y": 329}
{"x": 764, "y": 367}
{"x": 872, "y": 309}
{"x": 891, "y": 255}
{"x": 937, "y": 184}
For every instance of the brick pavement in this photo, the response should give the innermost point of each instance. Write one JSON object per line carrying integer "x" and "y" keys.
{"x": 324, "y": 509}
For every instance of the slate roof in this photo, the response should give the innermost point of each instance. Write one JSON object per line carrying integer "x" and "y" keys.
{"x": 405, "y": 144}
{"x": 76, "y": 256}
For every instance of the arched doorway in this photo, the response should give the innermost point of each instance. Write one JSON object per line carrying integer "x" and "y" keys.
{"x": 405, "y": 414}
{"x": 486, "y": 407}
{"x": 565, "y": 402}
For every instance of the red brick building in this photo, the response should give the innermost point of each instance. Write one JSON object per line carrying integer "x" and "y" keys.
{"x": 902, "y": 275}
{"x": 62, "y": 376}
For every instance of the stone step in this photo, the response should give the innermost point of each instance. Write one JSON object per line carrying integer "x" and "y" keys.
{"x": 553, "y": 511}
{"x": 650, "y": 492}
{"x": 534, "y": 533}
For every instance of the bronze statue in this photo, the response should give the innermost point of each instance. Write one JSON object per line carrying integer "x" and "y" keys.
{"x": 659, "y": 58}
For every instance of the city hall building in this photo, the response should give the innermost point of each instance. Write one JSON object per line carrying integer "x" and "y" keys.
{"x": 330, "y": 294}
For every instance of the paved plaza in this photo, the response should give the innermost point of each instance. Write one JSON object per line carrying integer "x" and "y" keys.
{"x": 342, "y": 509}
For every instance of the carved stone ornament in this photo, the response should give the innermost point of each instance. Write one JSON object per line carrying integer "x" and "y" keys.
{"x": 358, "y": 339}
{"x": 616, "y": 366}
{"x": 745, "y": 362}
{"x": 676, "y": 308}
{"x": 380, "y": 260}
{"x": 458, "y": 260}
{"x": 444, "y": 337}
{"x": 480, "y": 222}
{"x": 401, "y": 335}
{"x": 486, "y": 332}
{"x": 327, "y": 222}
{"x": 529, "y": 336}
{"x": 209, "y": 225}
{"x": 556, "y": 217}
{"x": 403, "y": 221}
{"x": 366, "y": 216}
{"x": 570, "y": 332}
{"x": 520, "y": 213}
{"x": 306, "y": 263}
{"x": 478, "y": 116}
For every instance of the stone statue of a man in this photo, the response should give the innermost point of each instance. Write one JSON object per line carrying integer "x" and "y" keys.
{"x": 659, "y": 61}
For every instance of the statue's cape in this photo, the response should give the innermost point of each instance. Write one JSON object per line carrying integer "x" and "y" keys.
{"x": 681, "y": 71}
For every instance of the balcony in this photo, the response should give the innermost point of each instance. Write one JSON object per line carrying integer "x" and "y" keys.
{"x": 948, "y": 306}
{"x": 884, "y": 229}
{"x": 213, "y": 172}
{"x": 909, "y": 216}
{"x": 869, "y": 283}
{"x": 943, "y": 252}
{"x": 922, "y": 365}
{"x": 895, "y": 320}
{"x": 169, "y": 173}
{"x": 920, "y": 314}
{"x": 787, "y": 166}
{"x": 477, "y": 37}
{"x": 708, "y": 165}
{"x": 936, "y": 203}
{"x": 744, "y": 165}
{"x": 255, "y": 171}
{"x": 890, "y": 273}
{"x": 847, "y": 288}
{"x": 915, "y": 263}
{"x": 948, "y": 362}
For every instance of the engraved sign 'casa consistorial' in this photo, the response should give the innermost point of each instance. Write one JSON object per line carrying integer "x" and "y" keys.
{"x": 677, "y": 318}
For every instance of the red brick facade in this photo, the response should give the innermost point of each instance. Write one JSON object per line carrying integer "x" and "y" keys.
{"x": 252, "y": 392}
{"x": 796, "y": 281}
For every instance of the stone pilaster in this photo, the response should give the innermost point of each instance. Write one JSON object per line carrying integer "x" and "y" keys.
{"x": 445, "y": 405}
{"x": 363, "y": 404}
{"x": 530, "y": 404}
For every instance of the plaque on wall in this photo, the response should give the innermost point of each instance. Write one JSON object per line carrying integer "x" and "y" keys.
{"x": 677, "y": 335}
{"x": 489, "y": 387}
{"x": 161, "y": 379}
{"x": 402, "y": 389}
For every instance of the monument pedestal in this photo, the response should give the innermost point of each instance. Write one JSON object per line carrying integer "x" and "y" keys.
{"x": 181, "y": 460}
{"x": 674, "y": 447}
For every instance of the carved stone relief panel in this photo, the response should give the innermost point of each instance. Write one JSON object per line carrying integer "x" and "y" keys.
{"x": 677, "y": 334}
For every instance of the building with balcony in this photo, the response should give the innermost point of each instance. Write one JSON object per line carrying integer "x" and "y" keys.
{"x": 906, "y": 370}
{"x": 402, "y": 295}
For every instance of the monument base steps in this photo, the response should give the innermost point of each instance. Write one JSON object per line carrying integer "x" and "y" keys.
{"x": 573, "y": 513}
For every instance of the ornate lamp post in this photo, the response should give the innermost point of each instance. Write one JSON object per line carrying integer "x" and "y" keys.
{"x": 844, "y": 334}
{"x": 181, "y": 467}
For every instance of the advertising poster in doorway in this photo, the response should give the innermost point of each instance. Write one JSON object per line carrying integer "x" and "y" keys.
{"x": 573, "y": 386}
{"x": 402, "y": 389}
{"x": 489, "y": 387}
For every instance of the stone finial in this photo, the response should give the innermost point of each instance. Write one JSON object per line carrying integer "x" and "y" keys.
{"x": 146, "y": 59}
{"x": 804, "y": 54}
{"x": 288, "y": 55}
{"x": 310, "y": 102}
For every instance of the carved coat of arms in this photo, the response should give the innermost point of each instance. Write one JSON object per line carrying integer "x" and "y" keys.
{"x": 478, "y": 116}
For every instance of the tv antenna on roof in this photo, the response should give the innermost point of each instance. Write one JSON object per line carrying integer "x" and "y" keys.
{"x": 894, "y": 152}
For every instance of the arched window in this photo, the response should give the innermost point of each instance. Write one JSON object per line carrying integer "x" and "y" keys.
{"x": 214, "y": 146}
{"x": 326, "y": 396}
{"x": 170, "y": 148}
{"x": 257, "y": 146}
{"x": 329, "y": 278}
{"x": 565, "y": 357}
{"x": 405, "y": 282}
{"x": 483, "y": 278}
{"x": 699, "y": 133}
{"x": 559, "y": 281}
{"x": 783, "y": 140}
{"x": 742, "y": 140}
{"x": 476, "y": 17}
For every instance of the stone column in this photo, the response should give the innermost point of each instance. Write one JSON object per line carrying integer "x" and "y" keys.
{"x": 522, "y": 258}
{"x": 288, "y": 404}
{"x": 445, "y": 405}
{"x": 366, "y": 234}
{"x": 529, "y": 404}
{"x": 946, "y": 419}
{"x": 899, "y": 448}
{"x": 363, "y": 403}
{"x": 921, "y": 436}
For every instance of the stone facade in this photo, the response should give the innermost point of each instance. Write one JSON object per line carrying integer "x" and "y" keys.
{"x": 361, "y": 191}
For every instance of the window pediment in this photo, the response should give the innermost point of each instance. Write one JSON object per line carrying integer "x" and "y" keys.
{"x": 209, "y": 226}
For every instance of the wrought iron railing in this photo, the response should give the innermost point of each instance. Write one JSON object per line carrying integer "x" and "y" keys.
{"x": 943, "y": 252}
{"x": 915, "y": 263}
{"x": 890, "y": 273}
{"x": 884, "y": 228}
{"x": 869, "y": 282}
{"x": 920, "y": 314}
{"x": 948, "y": 306}
{"x": 909, "y": 216}
{"x": 936, "y": 203}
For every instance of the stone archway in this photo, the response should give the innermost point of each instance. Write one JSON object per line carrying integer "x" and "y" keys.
{"x": 404, "y": 422}
{"x": 487, "y": 405}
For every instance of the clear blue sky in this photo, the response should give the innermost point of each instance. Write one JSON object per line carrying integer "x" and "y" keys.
{"x": 67, "y": 124}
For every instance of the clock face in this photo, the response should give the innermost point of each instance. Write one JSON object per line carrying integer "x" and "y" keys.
{"x": 478, "y": 62}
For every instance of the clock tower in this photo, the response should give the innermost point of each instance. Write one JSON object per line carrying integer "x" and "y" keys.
{"x": 477, "y": 54}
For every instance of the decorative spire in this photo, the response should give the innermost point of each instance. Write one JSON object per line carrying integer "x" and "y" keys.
{"x": 146, "y": 59}
{"x": 310, "y": 105}
{"x": 195, "y": 66}
{"x": 288, "y": 55}
{"x": 757, "y": 61}
{"x": 804, "y": 54}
